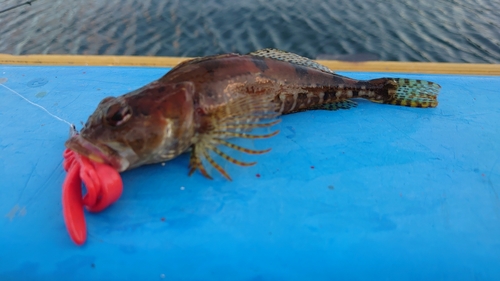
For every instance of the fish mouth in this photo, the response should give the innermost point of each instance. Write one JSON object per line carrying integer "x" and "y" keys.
{"x": 100, "y": 154}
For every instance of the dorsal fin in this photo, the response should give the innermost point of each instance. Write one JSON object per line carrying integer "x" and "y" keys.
{"x": 289, "y": 57}
{"x": 200, "y": 59}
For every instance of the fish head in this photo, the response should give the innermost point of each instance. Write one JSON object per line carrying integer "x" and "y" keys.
{"x": 149, "y": 125}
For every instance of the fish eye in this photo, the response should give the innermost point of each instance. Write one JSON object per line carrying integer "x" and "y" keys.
{"x": 117, "y": 114}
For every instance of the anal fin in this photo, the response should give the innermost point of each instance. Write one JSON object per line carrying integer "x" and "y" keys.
{"x": 345, "y": 104}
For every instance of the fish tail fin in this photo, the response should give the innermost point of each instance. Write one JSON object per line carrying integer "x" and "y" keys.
{"x": 405, "y": 92}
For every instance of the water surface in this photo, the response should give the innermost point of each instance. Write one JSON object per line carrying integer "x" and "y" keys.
{"x": 404, "y": 30}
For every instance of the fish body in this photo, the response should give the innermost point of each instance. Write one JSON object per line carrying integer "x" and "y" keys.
{"x": 201, "y": 103}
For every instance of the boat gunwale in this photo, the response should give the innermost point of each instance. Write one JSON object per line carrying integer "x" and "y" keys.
{"x": 159, "y": 61}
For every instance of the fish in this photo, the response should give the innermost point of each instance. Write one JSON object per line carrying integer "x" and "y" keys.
{"x": 201, "y": 104}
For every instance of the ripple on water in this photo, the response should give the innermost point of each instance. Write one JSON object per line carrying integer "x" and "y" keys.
{"x": 407, "y": 30}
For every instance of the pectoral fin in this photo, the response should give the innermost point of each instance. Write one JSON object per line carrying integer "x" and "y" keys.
{"x": 235, "y": 119}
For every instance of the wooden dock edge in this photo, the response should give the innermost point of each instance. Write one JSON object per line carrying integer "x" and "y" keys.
{"x": 149, "y": 61}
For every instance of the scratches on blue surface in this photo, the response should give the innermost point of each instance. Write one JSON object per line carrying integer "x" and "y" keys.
{"x": 291, "y": 132}
{"x": 29, "y": 177}
{"x": 383, "y": 223}
{"x": 56, "y": 173}
{"x": 494, "y": 173}
{"x": 16, "y": 211}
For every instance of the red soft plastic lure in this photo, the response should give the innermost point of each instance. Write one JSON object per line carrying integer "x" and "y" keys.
{"x": 104, "y": 186}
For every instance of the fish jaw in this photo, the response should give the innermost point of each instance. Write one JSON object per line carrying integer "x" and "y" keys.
{"x": 100, "y": 154}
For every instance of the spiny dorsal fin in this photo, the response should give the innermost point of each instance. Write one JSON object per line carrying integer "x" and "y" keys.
{"x": 200, "y": 59}
{"x": 290, "y": 57}
{"x": 235, "y": 119}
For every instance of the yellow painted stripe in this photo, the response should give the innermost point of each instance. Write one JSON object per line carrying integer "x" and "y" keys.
{"x": 371, "y": 66}
{"x": 90, "y": 60}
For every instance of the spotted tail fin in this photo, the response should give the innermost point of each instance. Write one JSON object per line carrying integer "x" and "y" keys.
{"x": 406, "y": 92}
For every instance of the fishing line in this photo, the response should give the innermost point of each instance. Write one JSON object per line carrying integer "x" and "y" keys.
{"x": 17, "y": 6}
{"x": 37, "y": 105}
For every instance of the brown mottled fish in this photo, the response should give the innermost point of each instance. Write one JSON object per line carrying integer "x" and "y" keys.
{"x": 201, "y": 103}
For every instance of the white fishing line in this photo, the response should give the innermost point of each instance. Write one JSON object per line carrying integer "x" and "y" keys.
{"x": 37, "y": 105}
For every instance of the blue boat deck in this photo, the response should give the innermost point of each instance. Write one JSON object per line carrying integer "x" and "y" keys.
{"x": 374, "y": 192}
